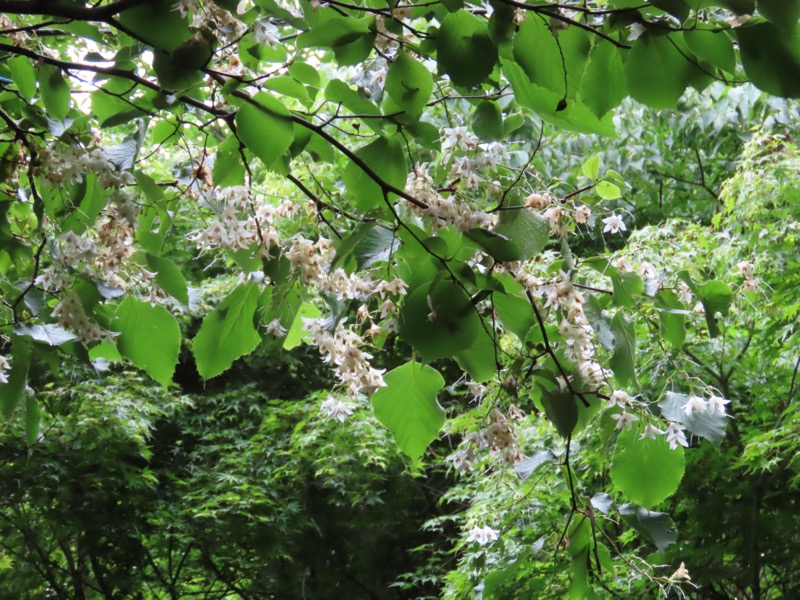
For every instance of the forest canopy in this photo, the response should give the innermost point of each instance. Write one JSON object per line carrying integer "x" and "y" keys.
{"x": 534, "y": 254}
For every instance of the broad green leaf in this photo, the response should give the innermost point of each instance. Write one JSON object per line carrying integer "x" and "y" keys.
{"x": 702, "y": 424}
{"x": 350, "y": 38}
{"x": 607, "y": 190}
{"x": 783, "y": 13}
{"x": 622, "y": 362}
{"x": 32, "y": 419}
{"x": 387, "y": 161}
{"x": 530, "y": 464}
{"x": 228, "y": 164}
{"x": 408, "y": 84}
{"x": 528, "y": 231}
{"x": 368, "y": 244}
{"x": 149, "y": 336}
{"x": 716, "y": 297}
{"x": 591, "y": 168}
{"x": 715, "y": 47}
{"x": 672, "y": 316}
{"x": 49, "y": 333}
{"x": 158, "y": 23}
{"x": 487, "y": 121}
{"x": 464, "y": 49}
{"x": 562, "y": 410}
{"x": 407, "y": 406}
{"x": 479, "y": 359}
{"x": 496, "y": 245}
{"x": 656, "y": 71}
{"x": 571, "y": 114}
{"x": 646, "y": 471}
{"x": 263, "y": 125}
{"x": 296, "y": 334}
{"x": 438, "y": 320}
{"x": 288, "y": 86}
{"x": 771, "y": 58}
{"x": 12, "y": 392}
{"x": 537, "y": 51}
{"x": 627, "y": 286}
{"x": 23, "y": 75}
{"x": 603, "y": 86}
{"x": 169, "y": 277}
{"x": 54, "y": 90}
{"x": 227, "y": 333}
{"x": 658, "y": 527}
{"x": 515, "y": 313}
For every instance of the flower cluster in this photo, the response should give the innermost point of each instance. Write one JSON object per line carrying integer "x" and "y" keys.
{"x": 335, "y": 409}
{"x": 482, "y": 535}
{"x": 342, "y": 349}
{"x": 5, "y": 367}
{"x": 72, "y": 316}
{"x": 443, "y": 212}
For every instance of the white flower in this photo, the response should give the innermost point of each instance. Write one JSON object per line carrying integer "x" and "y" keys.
{"x": 378, "y": 76}
{"x": 676, "y": 436}
{"x": 582, "y": 214}
{"x": 275, "y": 328}
{"x": 619, "y": 398}
{"x": 694, "y": 406}
{"x": 745, "y": 267}
{"x": 613, "y": 224}
{"x": 717, "y": 404}
{"x": 624, "y": 419}
{"x": 265, "y": 32}
{"x": 461, "y": 460}
{"x": 4, "y": 368}
{"x": 482, "y": 535}
{"x": 651, "y": 431}
{"x": 335, "y": 409}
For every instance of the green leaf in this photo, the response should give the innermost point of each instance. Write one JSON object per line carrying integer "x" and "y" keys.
{"x": 12, "y": 392}
{"x": 32, "y": 419}
{"x": 387, "y": 160}
{"x": 496, "y": 245}
{"x": 169, "y": 277}
{"x": 603, "y": 86}
{"x": 607, "y": 190}
{"x": 487, "y": 121}
{"x": 158, "y": 23}
{"x": 183, "y": 67}
{"x": 626, "y": 286}
{"x": 658, "y": 527}
{"x": 715, "y": 47}
{"x": 408, "y": 84}
{"x": 783, "y": 13}
{"x": 263, "y": 125}
{"x": 623, "y": 362}
{"x": 515, "y": 313}
{"x": 672, "y": 316}
{"x": 23, "y": 75}
{"x": 150, "y": 338}
{"x": 407, "y": 406}
{"x": 49, "y": 333}
{"x": 464, "y": 49}
{"x": 528, "y": 231}
{"x": 716, "y": 297}
{"x": 438, "y": 320}
{"x": 656, "y": 71}
{"x": 288, "y": 86}
{"x": 646, "y": 471}
{"x": 55, "y": 91}
{"x": 561, "y": 409}
{"x": 591, "y": 168}
{"x": 350, "y": 38}
{"x": 368, "y": 244}
{"x": 537, "y": 51}
{"x": 479, "y": 359}
{"x": 227, "y": 332}
{"x": 701, "y": 424}
{"x": 228, "y": 168}
{"x": 296, "y": 334}
{"x": 771, "y": 58}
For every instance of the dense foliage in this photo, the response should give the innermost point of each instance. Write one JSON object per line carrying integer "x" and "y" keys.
{"x": 553, "y": 354}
